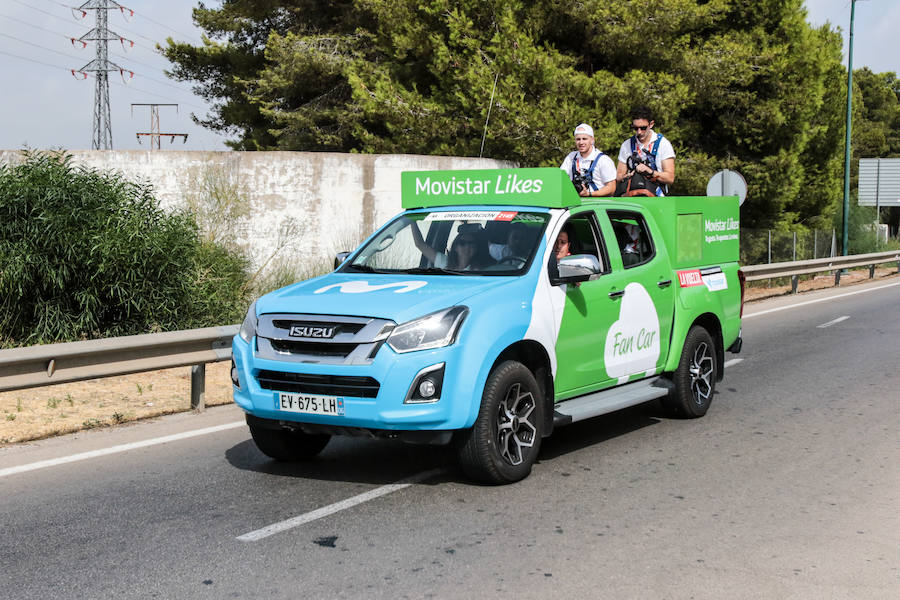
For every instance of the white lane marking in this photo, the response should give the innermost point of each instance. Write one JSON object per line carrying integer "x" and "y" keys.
{"x": 732, "y": 362}
{"x": 771, "y": 310}
{"x": 274, "y": 528}
{"x": 116, "y": 449}
{"x": 833, "y": 322}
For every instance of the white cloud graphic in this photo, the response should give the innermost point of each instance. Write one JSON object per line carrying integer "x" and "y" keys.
{"x": 363, "y": 287}
{"x": 632, "y": 344}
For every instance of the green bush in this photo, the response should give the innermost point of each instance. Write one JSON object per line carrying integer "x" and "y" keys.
{"x": 87, "y": 254}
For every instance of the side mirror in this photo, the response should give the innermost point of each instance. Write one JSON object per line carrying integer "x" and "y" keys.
{"x": 575, "y": 268}
{"x": 339, "y": 258}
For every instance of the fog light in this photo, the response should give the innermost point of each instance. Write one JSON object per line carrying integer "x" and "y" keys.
{"x": 427, "y": 388}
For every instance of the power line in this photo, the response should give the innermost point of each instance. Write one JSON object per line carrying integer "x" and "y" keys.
{"x": 143, "y": 16}
{"x": 151, "y": 40}
{"x": 12, "y": 37}
{"x": 32, "y": 60}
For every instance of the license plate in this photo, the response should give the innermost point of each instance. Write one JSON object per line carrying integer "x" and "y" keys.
{"x": 310, "y": 404}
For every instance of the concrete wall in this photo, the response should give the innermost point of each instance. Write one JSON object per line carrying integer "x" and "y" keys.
{"x": 287, "y": 207}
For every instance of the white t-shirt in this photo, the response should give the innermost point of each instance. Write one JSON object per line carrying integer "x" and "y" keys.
{"x": 664, "y": 151}
{"x": 604, "y": 172}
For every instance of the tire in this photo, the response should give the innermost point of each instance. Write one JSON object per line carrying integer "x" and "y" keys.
{"x": 695, "y": 377}
{"x": 288, "y": 446}
{"x": 504, "y": 441}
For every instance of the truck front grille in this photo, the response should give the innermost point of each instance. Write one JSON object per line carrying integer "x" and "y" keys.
{"x": 328, "y": 385}
{"x": 321, "y": 339}
{"x": 313, "y": 348}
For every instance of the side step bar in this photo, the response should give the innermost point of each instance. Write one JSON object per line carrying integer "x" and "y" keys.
{"x": 607, "y": 401}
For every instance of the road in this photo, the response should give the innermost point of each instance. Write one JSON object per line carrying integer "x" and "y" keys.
{"x": 788, "y": 488}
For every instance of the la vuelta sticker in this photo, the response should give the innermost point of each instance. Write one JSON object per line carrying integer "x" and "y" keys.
{"x": 690, "y": 278}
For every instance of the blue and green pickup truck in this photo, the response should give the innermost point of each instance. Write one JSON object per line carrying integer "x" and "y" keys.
{"x": 496, "y": 308}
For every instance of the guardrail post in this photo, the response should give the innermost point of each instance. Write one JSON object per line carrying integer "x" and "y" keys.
{"x": 837, "y": 277}
{"x": 795, "y": 280}
{"x": 198, "y": 387}
{"x": 871, "y": 271}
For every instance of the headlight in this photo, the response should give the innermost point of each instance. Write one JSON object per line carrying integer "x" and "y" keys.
{"x": 248, "y": 327}
{"x": 436, "y": 330}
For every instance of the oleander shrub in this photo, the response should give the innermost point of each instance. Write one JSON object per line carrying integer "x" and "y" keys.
{"x": 87, "y": 254}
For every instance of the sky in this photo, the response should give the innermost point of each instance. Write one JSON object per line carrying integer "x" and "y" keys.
{"x": 42, "y": 105}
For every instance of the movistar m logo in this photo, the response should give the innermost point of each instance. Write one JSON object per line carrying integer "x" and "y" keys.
{"x": 363, "y": 287}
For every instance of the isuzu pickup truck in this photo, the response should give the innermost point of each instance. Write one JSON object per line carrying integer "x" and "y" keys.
{"x": 498, "y": 307}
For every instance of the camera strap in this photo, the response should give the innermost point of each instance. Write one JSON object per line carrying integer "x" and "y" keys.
{"x": 637, "y": 149}
{"x": 589, "y": 174}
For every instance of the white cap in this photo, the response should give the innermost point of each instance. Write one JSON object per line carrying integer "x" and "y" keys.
{"x": 584, "y": 129}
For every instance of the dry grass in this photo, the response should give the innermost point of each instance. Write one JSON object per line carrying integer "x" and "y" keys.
{"x": 756, "y": 291}
{"x": 42, "y": 412}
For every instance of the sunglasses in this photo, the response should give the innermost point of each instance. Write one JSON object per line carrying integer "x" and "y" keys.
{"x": 639, "y": 128}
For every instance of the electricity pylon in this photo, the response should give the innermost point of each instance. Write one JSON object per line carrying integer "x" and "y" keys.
{"x": 102, "y": 137}
{"x": 155, "y": 134}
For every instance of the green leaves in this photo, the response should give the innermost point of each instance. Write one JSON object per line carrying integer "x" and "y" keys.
{"x": 86, "y": 254}
{"x": 749, "y": 86}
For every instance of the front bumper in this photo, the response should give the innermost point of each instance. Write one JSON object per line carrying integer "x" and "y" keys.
{"x": 379, "y": 415}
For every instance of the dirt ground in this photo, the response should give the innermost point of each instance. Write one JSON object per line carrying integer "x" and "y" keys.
{"x": 42, "y": 412}
{"x": 46, "y": 411}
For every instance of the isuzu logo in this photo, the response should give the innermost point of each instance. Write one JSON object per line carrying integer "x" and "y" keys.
{"x": 309, "y": 331}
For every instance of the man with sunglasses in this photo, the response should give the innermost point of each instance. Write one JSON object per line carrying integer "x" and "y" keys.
{"x": 651, "y": 155}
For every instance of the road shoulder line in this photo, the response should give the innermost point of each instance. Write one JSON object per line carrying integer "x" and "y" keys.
{"x": 117, "y": 449}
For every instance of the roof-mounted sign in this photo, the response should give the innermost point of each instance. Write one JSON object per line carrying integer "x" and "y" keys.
{"x": 548, "y": 187}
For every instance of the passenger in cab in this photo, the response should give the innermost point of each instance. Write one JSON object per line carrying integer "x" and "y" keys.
{"x": 565, "y": 242}
{"x": 519, "y": 243}
{"x": 468, "y": 250}
{"x": 592, "y": 173}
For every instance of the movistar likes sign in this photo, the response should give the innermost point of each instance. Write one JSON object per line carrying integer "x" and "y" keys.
{"x": 534, "y": 187}
{"x": 511, "y": 183}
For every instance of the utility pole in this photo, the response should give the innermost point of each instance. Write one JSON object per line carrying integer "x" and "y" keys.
{"x": 845, "y": 241}
{"x": 102, "y": 137}
{"x": 155, "y": 134}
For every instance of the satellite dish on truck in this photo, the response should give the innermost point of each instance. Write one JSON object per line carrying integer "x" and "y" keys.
{"x": 727, "y": 183}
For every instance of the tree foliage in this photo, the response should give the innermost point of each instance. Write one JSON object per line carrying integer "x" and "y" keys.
{"x": 749, "y": 86}
{"x": 87, "y": 254}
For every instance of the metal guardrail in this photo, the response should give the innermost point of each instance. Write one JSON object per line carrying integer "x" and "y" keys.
{"x": 819, "y": 265}
{"x": 51, "y": 364}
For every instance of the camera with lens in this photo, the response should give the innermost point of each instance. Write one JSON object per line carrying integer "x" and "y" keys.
{"x": 634, "y": 160}
{"x": 580, "y": 182}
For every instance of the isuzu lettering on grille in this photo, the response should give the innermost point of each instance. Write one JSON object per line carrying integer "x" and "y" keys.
{"x": 311, "y": 332}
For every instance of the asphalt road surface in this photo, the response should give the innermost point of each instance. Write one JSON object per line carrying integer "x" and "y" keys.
{"x": 788, "y": 488}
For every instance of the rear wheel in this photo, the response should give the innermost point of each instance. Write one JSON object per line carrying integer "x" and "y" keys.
{"x": 695, "y": 377}
{"x": 504, "y": 442}
{"x": 286, "y": 445}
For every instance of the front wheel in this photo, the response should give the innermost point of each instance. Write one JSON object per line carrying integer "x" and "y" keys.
{"x": 695, "y": 377}
{"x": 286, "y": 445}
{"x": 505, "y": 440}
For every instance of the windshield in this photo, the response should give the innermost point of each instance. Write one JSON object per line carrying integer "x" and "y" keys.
{"x": 472, "y": 242}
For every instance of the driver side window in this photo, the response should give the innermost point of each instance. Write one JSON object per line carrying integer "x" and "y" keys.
{"x": 580, "y": 235}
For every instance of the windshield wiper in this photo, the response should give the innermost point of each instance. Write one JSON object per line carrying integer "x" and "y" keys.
{"x": 433, "y": 271}
{"x": 365, "y": 269}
